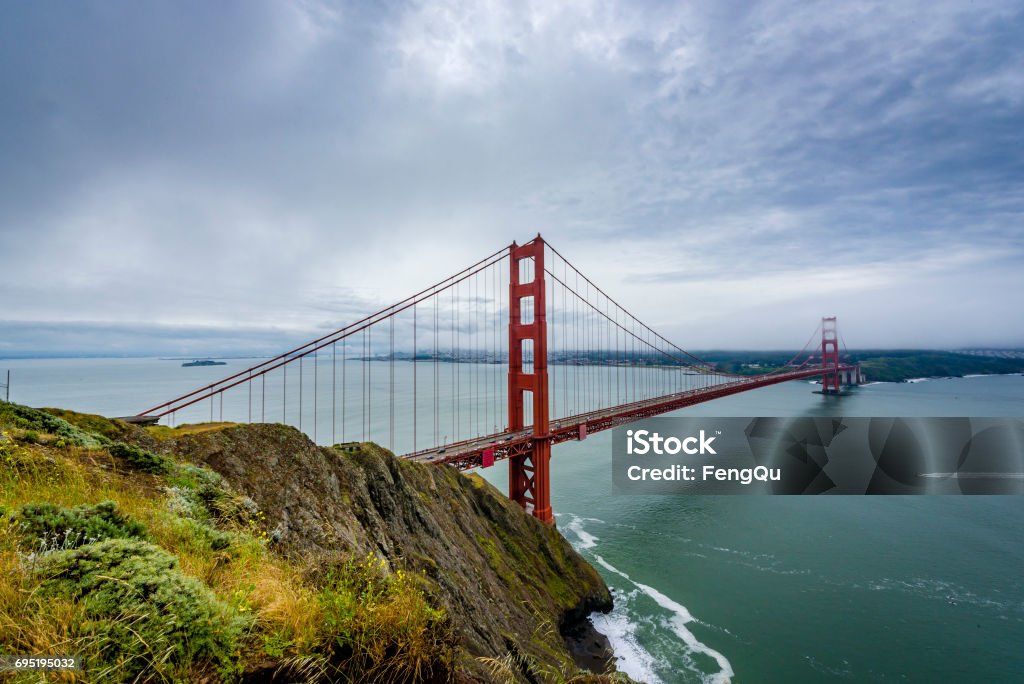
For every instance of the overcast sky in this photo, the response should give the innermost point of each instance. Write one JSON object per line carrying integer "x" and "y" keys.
{"x": 196, "y": 176}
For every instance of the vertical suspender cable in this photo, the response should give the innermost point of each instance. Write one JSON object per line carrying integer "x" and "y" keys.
{"x": 452, "y": 360}
{"x": 316, "y": 386}
{"x": 369, "y": 385}
{"x": 489, "y": 321}
{"x": 553, "y": 353}
{"x": 436, "y": 396}
{"x": 592, "y": 337}
{"x": 492, "y": 370}
{"x": 344, "y": 388}
{"x": 575, "y": 355}
{"x": 475, "y": 415}
{"x": 334, "y": 393}
{"x": 458, "y": 368}
{"x": 362, "y": 383}
{"x": 565, "y": 337}
{"x": 415, "y": 395}
{"x": 391, "y": 383}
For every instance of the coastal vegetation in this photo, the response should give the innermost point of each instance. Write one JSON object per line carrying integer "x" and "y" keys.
{"x": 125, "y": 545}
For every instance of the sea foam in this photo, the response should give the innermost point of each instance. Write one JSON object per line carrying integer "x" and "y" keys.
{"x": 680, "y": 617}
{"x": 631, "y": 658}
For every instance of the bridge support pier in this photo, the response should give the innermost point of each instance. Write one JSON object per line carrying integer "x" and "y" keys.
{"x": 529, "y": 482}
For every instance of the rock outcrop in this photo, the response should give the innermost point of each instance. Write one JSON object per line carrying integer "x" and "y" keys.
{"x": 509, "y": 583}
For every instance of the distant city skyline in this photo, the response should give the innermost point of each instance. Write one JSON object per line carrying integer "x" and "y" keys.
{"x": 197, "y": 178}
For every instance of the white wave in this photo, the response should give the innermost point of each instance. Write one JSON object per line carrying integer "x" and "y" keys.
{"x": 586, "y": 540}
{"x": 630, "y": 657}
{"x": 915, "y": 380}
{"x": 680, "y": 617}
{"x": 679, "y": 620}
{"x": 611, "y": 568}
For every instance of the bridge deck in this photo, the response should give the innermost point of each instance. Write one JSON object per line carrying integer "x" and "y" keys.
{"x": 469, "y": 453}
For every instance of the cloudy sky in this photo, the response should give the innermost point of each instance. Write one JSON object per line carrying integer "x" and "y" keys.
{"x": 194, "y": 176}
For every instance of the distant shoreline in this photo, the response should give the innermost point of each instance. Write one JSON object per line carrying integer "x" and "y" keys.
{"x": 876, "y": 365}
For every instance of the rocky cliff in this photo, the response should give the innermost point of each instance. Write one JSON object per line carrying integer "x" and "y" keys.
{"x": 331, "y": 563}
{"x": 500, "y": 574}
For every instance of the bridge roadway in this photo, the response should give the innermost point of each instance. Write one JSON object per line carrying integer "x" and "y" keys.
{"x": 469, "y": 453}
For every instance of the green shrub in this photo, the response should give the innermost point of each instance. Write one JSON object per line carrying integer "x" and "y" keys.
{"x": 13, "y": 457}
{"x": 226, "y": 506}
{"x": 49, "y": 527}
{"x": 186, "y": 503}
{"x": 210, "y": 536}
{"x": 144, "y": 619}
{"x": 192, "y": 476}
{"x": 140, "y": 459}
{"x": 114, "y": 430}
{"x": 183, "y": 501}
{"x": 206, "y": 499}
{"x": 25, "y": 418}
{"x": 200, "y": 497}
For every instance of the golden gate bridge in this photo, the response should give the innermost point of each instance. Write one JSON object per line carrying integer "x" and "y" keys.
{"x": 500, "y": 361}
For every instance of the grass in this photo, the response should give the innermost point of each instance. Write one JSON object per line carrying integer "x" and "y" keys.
{"x": 98, "y": 536}
{"x": 381, "y": 625}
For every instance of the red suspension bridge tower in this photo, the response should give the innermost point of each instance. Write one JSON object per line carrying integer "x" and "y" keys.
{"x": 529, "y": 483}
{"x": 830, "y": 356}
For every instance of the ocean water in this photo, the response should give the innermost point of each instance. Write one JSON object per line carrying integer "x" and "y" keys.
{"x": 719, "y": 589}
{"x": 808, "y": 589}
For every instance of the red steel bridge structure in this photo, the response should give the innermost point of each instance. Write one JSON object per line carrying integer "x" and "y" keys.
{"x": 500, "y": 361}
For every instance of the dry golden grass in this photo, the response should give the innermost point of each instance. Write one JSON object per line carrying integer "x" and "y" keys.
{"x": 286, "y": 607}
{"x": 162, "y": 432}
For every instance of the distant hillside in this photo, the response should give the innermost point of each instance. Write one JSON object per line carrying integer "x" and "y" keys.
{"x": 899, "y": 365}
{"x": 884, "y": 365}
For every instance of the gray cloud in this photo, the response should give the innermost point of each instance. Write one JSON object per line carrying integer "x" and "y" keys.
{"x": 730, "y": 172}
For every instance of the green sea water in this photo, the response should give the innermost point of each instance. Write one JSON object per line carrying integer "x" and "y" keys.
{"x": 739, "y": 589}
{"x": 808, "y": 589}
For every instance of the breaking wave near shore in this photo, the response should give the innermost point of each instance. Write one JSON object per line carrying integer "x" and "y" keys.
{"x": 648, "y": 630}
